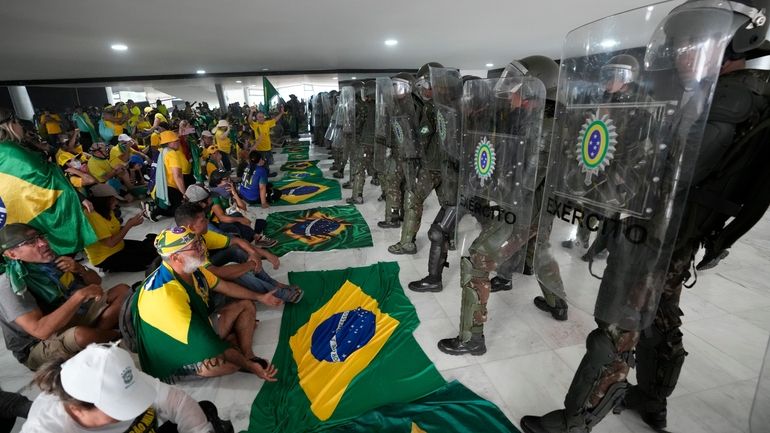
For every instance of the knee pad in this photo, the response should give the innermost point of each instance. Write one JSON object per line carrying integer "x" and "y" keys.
{"x": 436, "y": 233}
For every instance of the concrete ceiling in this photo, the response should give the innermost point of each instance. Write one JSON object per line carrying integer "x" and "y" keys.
{"x": 55, "y": 39}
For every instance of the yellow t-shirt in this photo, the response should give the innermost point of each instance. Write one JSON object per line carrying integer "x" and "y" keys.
{"x": 116, "y": 126}
{"x": 172, "y": 160}
{"x": 99, "y": 168}
{"x": 210, "y": 168}
{"x": 98, "y": 252}
{"x": 115, "y": 154}
{"x": 262, "y": 130}
{"x": 223, "y": 142}
{"x": 155, "y": 139}
{"x": 52, "y": 123}
{"x": 214, "y": 241}
{"x": 185, "y": 163}
{"x": 136, "y": 113}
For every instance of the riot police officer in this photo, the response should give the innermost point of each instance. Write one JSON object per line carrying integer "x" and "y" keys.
{"x": 664, "y": 217}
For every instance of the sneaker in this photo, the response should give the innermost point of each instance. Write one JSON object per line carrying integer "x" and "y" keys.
{"x": 265, "y": 242}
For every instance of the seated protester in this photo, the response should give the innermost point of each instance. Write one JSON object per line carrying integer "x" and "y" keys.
{"x": 224, "y": 250}
{"x": 76, "y": 170}
{"x": 13, "y": 405}
{"x": 100, "y": 168}
{"x": 223, "y": 142}
{"x": 70, "y": 143}
{"x": 52, "y": 125}
{"x": 113, "y": 252}
{"x": 126, "y": 155}
{"x": 178, "y": 332}
{"x": 226, "y": 211}
{"x": 213, "y": 158}
{"x": 207, "y": 139}
{"x": 51, "y": 306}
{"x": 255, "y": 188}
{"x": 170, "y": 183}
{"x": 101, "y": 390}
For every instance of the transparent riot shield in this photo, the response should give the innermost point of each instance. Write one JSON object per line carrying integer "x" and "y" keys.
{"x": 317, "y": 111}
{"x": 383, "y": 97}
{"x": 498, "y": 164}
{"x": 622, "y": 154}
{"x": 334, "y": 129}
{"x": 403, "y": 122}
{"x": 346, "y": 119}
{"x": 760, "y": 410}
{"x": 447, "y": 90}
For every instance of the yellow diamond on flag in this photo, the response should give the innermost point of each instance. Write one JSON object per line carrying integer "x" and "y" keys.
{"x": 417, "y": 429}
{"x": 300, "y": 190}
{"x": 336, "y": 344}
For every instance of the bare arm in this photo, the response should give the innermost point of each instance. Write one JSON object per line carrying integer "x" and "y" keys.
{"x": 223, "y": 217}
{"x": 178, "y": 179}
{"x": 43, "y": 327}
{"x": 233, "y": 290}
{"x": 119, "y": 236}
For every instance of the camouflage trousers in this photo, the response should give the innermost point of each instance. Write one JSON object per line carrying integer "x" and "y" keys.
{"x": 416, "y": 194}
{"x": 496, "y": 244}
{"x": 392, "y": 187}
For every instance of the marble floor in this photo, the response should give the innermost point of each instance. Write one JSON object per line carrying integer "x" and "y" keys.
{"x": 531, "y": 358}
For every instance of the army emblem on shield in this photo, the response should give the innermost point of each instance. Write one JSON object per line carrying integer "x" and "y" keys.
{"x": 595, "y": 146}
{"x": 398, "y": 132}
{"x": 484, "y": 159}
{"x": 441, "y": 125}
{"x": 3, "y": 214}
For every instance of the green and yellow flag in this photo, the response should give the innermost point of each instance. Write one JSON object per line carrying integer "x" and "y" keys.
{"x": 318, "y": 229}
{"x": 451, "y": 409}
{"x": 346, "y": 349}
{"x": 301, "y": 170}
{"x": 271, "y": 95}
{"x": 295, "y": 148}
{"x": 36, "y": 192}
{"x": 307, "y": 190}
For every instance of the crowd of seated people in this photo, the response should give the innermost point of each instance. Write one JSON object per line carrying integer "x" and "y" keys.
{"x": 201, "y": 277}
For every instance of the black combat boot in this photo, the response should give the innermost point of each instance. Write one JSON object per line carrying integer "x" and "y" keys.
{"x": 453, "y": 346}
{"x": 559, "y": 311}
{"x": 500, "y": 284}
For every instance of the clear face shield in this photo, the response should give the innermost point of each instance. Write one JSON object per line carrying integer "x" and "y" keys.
{"x": 508, "y": 90}
{"x": 614, "y": 77}
{"x": 401, "y": 88}
{"x": 424, "y": 89}
{"x": 514, "y": 69}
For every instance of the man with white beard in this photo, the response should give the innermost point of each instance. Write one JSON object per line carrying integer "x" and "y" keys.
{"x": 178, "y": 334}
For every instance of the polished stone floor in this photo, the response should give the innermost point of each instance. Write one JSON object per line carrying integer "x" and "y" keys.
{"x": 531, "y": 358}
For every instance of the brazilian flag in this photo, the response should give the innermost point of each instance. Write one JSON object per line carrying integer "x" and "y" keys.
{"x": 306, "y": 190}
{"x": 36, "y": 192}
{"x": 346, "y": 349}
{"x": 451, "y": 409}
{"x": 295, "y": 148}
{"x": 299, "y": 156}
{"x": 318, "y": 229}
{"x": 272, "y": 97}
{"x": 301, "y": 169}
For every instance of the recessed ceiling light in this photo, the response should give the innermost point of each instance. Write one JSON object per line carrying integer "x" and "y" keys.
{"x": 391, "y": 42}
{"x": 352, "y": 78}
{"x": 119, "y": 47}
{"x": 238, "y": 81}
{"x": 334, "y": 78}
{"x": 265, "y": 69}
{"x": 489, "y": 65}
{"x": 608, "y": 43}
{"x": 200, "y": 72}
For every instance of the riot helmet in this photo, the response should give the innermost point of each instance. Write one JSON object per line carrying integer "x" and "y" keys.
{"x": 694, "y": 31}
{"x": 619, "y": 71}
{"x": 403, "y": 83}
{"x": 422, "y": 85}
{"x": 541, "y": 67}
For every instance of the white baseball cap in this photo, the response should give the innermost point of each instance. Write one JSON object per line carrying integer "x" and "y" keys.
{"x": 105, "y": 375}
{"x": 124, "y": 137}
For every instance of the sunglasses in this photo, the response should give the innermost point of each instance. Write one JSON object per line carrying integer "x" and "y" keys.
{"x": 31, "y": 241}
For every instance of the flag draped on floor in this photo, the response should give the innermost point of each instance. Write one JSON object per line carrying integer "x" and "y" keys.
{"x": 345, "y": 349}
{"x": 36, "y": 192}
{"x": 295, "y": 148}
{"x": 451, "y": 409}
{"x": 301, "y": 169}
{"x": 306, "y": 190}
{"x": 299, "y": 156}
{"x": 318, "y": 229}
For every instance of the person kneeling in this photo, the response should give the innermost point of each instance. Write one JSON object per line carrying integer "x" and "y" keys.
{"x": 177, "y": 333}
{"x": 51, "y": 306}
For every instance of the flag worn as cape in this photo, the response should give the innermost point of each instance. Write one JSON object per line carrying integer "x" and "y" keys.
{"x": 36, "y": 192}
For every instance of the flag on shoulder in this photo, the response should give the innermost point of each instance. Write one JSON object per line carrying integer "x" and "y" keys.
{"x": 36, "y": 192}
